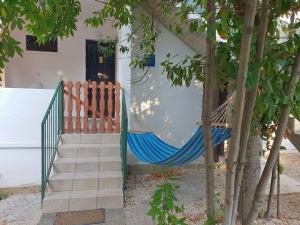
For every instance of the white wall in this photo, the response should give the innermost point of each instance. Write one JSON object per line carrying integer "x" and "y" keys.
{"x": 70, "y": 59}
{"x": 20, "y": 167}
{"x": 21, "y": 113}
{"x": 171, "y": 112}
{"x": 123, "y": 70}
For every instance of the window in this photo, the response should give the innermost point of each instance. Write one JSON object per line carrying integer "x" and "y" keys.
{"x": 32, "y": 45}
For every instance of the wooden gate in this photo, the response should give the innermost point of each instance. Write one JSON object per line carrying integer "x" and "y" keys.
{"x": 99, "y": 115}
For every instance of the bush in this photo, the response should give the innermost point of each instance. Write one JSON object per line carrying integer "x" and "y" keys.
{"x": 165, "y": 209}
{"x": 2, "y": 196}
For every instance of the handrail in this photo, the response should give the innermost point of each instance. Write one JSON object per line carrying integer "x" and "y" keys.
{"x": 51, "y": 130}
{"x": 124, "y": 131}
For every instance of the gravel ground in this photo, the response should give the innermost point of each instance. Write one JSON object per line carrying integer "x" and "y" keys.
{"x": 191, "y": 194}
{"x": 24, "y": 209}
{"x": 291, "y": 162}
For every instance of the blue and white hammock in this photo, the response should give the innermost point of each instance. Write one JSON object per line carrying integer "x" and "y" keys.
{"x": 149, "y": 148}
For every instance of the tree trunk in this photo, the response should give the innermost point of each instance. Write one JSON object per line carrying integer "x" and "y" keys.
{"x": 278, "y": 187}
{"x": 250, "y": 103}
{"x": 271, "y": 193}
{"x": 282, "y": 123}
{"x": 207, "y": 111}
{"x": 251, "y": 175}
{"x": 250, "y": 5}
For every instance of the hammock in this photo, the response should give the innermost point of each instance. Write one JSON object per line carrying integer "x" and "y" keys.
{"x": 149, "y": 148}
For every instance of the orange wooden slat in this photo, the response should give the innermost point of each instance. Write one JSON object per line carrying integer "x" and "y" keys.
{"x": 70, "y": 107}
{"x": 111, "y": 90}
{"x": 94, "y": 106}
{"x": 109, "y": 108}
{"x": 102, "y": 107}
{"x": 82, "y": 103}
{"x": 78, "y": 107}
{"x": 86, "y": 107}
{"x": 117, "y": 107}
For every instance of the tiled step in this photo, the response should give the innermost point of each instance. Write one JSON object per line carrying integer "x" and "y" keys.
{"x": 85, "y": 181}
{"x": 103, "y": 138}
{"x": 88, "y": 164}
{"x": 88, "y": 150}
{"x": 82, "y": 200}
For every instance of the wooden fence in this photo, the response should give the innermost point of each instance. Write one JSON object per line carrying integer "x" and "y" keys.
{"x": 91, "y": 107}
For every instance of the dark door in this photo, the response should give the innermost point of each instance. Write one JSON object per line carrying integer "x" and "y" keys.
{"x": 99, "y": 68}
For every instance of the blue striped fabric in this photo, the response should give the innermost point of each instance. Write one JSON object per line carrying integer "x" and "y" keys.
{"x": 147, "y": 147}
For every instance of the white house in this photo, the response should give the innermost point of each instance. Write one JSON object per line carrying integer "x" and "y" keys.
{"x": 153, "y": 104}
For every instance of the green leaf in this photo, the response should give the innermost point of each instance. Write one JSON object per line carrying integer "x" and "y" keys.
{"x": 178, "y": 30}
{"x": 193, "y": 26}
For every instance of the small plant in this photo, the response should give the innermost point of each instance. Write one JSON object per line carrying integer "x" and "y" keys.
{"x": 2, "y": 196}
{"x": 261, "y": 213}
{"x": 164, "y": 207}
{"x": 280, "y": 169}
{"x": 282, "y": 148}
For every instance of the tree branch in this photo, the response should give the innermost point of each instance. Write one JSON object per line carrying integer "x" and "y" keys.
{"x": 282, "y": 123}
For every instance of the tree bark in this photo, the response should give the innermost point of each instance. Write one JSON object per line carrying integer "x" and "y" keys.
{"x": 251, "y": 176}
{"x": 271, "y": 193}
{"x": 238, "y": 110}
{"x": 278, "y": 187}
{"x": 250, "y": 103}
{"x": 207, "y": 111}
{"x": 282, "y": 123}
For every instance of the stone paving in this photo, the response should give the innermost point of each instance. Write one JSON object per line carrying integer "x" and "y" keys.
{"x": 21, "y": 209}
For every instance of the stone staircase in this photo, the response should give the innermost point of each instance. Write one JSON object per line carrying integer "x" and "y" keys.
{"x": 86, "y": 174}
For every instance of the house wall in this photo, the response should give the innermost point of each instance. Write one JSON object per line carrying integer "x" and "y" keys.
{"x": 123, "y": 70}
{"x": 45, "y": 67}
{"x": 156, "y": 105}
{"x": 21, "y": 113}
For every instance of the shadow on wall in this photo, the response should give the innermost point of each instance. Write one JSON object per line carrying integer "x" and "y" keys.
{"x": 170, "y": 112}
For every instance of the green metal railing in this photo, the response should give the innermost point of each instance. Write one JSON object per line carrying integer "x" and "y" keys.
{"x": 51, "y": 129}
{"x": 124, "y": 131}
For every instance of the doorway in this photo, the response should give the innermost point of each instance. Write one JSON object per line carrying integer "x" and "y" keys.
{"x": 99, "y": 68}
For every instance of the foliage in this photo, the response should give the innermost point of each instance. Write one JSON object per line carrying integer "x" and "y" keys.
{"x": 164, "y": 207}
{"x": 261, "y": 212}
{"x": 121, "y": 11}
{"x": 107, "y": 46}
{"x": 184, "y": 71}
{"x": 2, "y": 196}
{"x": 280, "y": 168}
{"x": 45, "y": 19}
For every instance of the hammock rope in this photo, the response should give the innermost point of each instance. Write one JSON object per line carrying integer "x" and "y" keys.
{"x": 149, "y": 148}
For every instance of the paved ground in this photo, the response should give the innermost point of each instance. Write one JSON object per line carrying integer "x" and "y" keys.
{"x": 25, "y": 209}
{"x": 21, "y": 209}
{"x": 291, "y": 162}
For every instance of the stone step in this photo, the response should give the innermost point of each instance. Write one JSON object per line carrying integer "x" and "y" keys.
{"x": 85, "y": 181}
{"x": 88, "y": 150}
{"x": 82, "y": 200}
{"x": 102, "y": 138}
{"x": 88, "y": 164}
